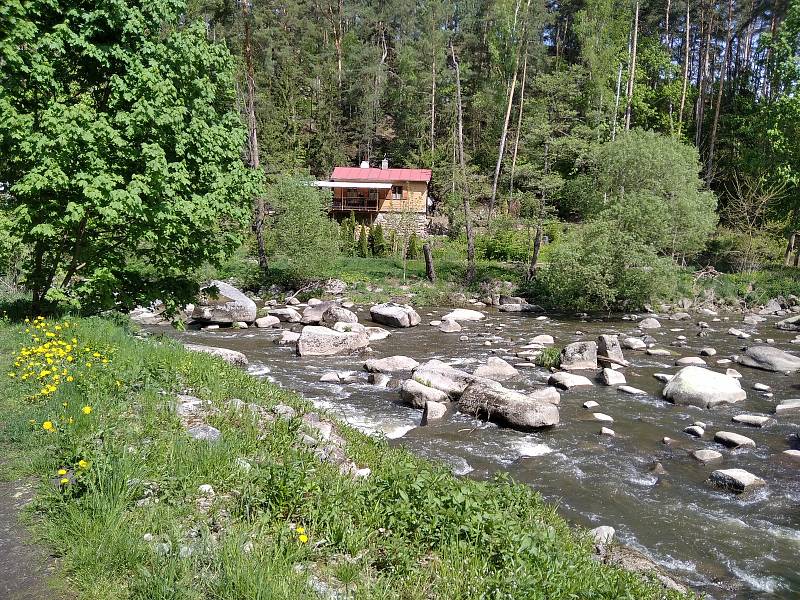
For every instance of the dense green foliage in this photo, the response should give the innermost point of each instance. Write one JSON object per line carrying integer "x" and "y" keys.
{"x": 410, "y": 530}
{"x": 121, "y": 145}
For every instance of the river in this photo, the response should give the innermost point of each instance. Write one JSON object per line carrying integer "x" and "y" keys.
{"x": 720, "y": 544}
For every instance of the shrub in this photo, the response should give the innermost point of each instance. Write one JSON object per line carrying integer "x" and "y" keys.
{"x": 363, "y": 243}
{"x": 414, "y": 247}
{"x": 599, "y": 267}
{"x": 377, "y": 242}
{"x": 550, "y": 357}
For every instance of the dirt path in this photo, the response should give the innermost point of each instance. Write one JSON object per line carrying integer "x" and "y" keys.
{"x": 25, "y": 569}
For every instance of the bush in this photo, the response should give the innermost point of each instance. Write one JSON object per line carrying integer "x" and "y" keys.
{"x": 507, "y": 242}
{"x": 414, "y": 247}
{"x": 599, "y": 267}
{"x": 377, "y": 242}
{"x": 363, "y": 243}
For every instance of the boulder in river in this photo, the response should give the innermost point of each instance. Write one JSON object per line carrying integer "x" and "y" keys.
{"x": 733, "y": 440}
{"x": 268, "y": 321}
{"x": 611, "y": 377}
{"x": 464, "y": 314}
{"x": 342, "y": 326}
{"x": 567, "y": 381}
{"x": 394, "y": 315}
{"x": 442, "y": 377}
{"x": 735, "y": 480}
{"x": 220, "y": 302}
{"x": 649, "y": 323}
{"x": 543, "y": 339}
{"x": 706, "y": 455}
{"x": 690, "y": 360}
{"x": 634, "y": 343}
{"x": 496, "y": 369}
{"x": 603, "y": 534}
{"x": 376, "y": 333}
{"x": 769, "y": 358}
{"x": 321, "y": 341}
{"x": 286, "y": 315}
{"x": 417, "y": 394}
{"x": 752, "y": 420}
{"x": 433, "y": 411}
{"x": 579, "y": 356}
{"x": 391, "y": 364}
{"x": 312, "y": 315}
{"x": 520, "y": 308}
{"x": 232, "y": 357}
{"x": 701, "y": 387}
{"x": 788, "y": 406}
{"x": 338, "y": 314}
{"x": 449, "y": 326}
{"x": 289, "y": 337}
{"x": 608, "y": 346}
{"x": 490, "y": 400}
{"x": 789, "y": 324}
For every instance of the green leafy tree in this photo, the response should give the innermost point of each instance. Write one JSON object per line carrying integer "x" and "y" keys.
{"x": 300, "y": 230}
{"x": 122, "y": 147}
{"x": 347, "y": 232}
{"x": 652, "y": 191}
{"x": 377, "y": 242}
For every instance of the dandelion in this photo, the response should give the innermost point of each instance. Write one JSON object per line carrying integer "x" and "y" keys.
{"x": 70, "y": 378}
{"x": 86, "y": 410}
{"x": 88, "y": 365}
{"x": 62, "y": 471}
{"x": 300, "y": 530}
{"x": 303, "y": 538}
{"x": 64, "y": 481}
{"x": 48, "y": 426}
{"x": 83, "y": 464}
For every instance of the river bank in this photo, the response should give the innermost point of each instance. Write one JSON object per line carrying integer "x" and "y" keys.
{"x": 285, "y": 503}
{"x": 655, "y": 494}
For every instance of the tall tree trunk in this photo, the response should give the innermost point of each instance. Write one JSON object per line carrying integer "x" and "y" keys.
{"x": 430, "y": 272}
{"x": 687, "y": 46}
{"x": 470, "y": 275}
{"x": 722, "y": 74}
{"x": 632, "y": 70}
{"x": 511, "y": 206}
{"x": 507, "y": 117}
{"x": 433, "y": 102}
{"x": 703, "y": 76}
{"x": 616, "y": 104}
{"x": 537, "y": 240}
{"x": 259, "y": 209}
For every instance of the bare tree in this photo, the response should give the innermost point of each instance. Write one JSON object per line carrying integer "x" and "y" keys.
{"x": 685, "y": 69}
{"x": 722, "y": 72}
{"x": 632, "y": 70}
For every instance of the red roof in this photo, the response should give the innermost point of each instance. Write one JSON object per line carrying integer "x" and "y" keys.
{"x": 375, "y": 174}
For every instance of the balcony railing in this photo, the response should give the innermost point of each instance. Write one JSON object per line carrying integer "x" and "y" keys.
{"x": 356, "y": 203}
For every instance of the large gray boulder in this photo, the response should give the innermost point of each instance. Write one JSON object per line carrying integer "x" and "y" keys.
{"x": 769, "y": 358}
{"x": 701, "y": 387}
{"x": 736, "y": 480}
{"x": 312, "y": 315}
{"x": 496, "y": 369}
{"x": 394, "y": 315}
{"x": 321, "y": 341}
{"x": 463, "y": 314}
{"x": 417, "y": 394}
{"x": 579, "y": 356}
{"x": 567, "y": 381}
{"x": 525, "y": 308}
{"x": 442, "y": 377}
{"x": 268, "y": 321}
{"x": 338, "y": 314}
{"x": 286, "y": 315}
{"x": 649, "y": 323}
{"x": 232, "y": 357}
{"x": 449, "y": 326}
{"x": 608, "y": 346}
{"x": 220, "y": 302}
{"x": 790, "y": 324}
{"x": 391, "y": 364}
{"x": 492, "y": 401}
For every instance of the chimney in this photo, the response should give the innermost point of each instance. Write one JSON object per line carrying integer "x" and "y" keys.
{"x": 385, "y": 163}
{"x": 364, "y": 164}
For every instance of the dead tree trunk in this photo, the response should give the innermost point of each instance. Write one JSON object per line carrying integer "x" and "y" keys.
{"x": 259, "y": 208}
{"x": 430, "y": 272}
{"x": 722, "y": 74}
{"x": 616, "y": 104}
{"x": 509, "y": 104}
{"x": 470, "y": 275}
{"x": 685, "y": 70}
{"x": 511, "y": 206}
{"x": 632, "y": 71}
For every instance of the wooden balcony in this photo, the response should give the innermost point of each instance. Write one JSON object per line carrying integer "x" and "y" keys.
{"x": 356, "y": 203}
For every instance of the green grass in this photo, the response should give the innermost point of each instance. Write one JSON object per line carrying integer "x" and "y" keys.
{"x": 411, "y": 530}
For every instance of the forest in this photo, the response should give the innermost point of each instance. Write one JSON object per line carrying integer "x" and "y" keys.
{"x": 636, "y": 137}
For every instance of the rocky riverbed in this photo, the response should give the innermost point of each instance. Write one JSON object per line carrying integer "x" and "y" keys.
{"x": 704, "y": 481}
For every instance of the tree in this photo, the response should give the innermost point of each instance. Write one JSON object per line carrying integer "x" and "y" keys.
{"x": 122, "y": 147}
{"x": 300, "y": 230}
{"x": 654, "y": 193}
{"x": 377, "y": 243}
{"x": 363, "y": 243}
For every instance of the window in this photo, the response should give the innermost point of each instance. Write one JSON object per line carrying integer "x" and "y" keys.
{"x": 397, "y": 192}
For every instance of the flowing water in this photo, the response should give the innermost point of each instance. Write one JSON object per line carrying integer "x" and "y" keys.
{"x": 721, "y": 544}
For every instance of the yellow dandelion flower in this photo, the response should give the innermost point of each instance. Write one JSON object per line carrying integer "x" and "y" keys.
{"x": 48, "y": 426}
{"x": 303, "y": 538}
{"x": 83, "y": 464}
{"x": 70, "y": 378}
{"x": 62, "y": 471}
{"x": 86, "y": 410}
{"x": 300, "y": 530}
{"x": 64, "y": 481}
{"x": 88, "y": 365}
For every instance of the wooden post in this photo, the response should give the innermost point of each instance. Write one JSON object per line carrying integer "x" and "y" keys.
{"x": 430, "y": 272}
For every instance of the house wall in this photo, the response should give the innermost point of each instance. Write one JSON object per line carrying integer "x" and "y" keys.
{"x": 415, "y": 197}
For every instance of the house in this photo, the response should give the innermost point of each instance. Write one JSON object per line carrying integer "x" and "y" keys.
{"x": 391, "y": 197}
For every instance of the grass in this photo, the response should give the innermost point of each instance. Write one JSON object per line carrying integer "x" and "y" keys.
{"x": 133, "y": 524}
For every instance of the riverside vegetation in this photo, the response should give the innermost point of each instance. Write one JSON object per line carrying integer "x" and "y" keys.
{"x": 138, "y": 509}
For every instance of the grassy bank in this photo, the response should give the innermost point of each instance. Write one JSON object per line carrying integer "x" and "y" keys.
{"x": 119, "y": 498}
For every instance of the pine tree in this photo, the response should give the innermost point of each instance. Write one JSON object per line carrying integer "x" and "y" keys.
{"x": 363, "y": 243}
{"x": 377, "y": 242}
